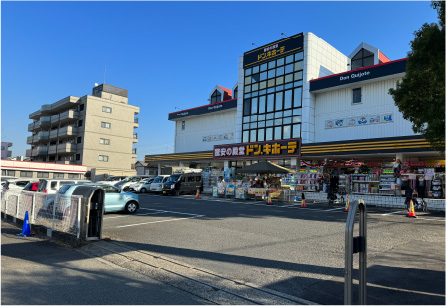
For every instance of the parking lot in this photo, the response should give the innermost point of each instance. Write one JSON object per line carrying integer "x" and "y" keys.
{"x": 297, "y": 251}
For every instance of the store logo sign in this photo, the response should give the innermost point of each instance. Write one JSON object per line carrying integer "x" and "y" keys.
{"x": 267, "y": 149}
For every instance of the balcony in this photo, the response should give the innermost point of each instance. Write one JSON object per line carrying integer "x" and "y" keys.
{"x": 135, "y": 122}
{"x": 62, "y": 148}
{"x": 135, "y": 137}
{"x": 65, "y": 117}
{"x": 66, "y": 131}
{"x": 35, "y": 115}
{"x": 28, "y": 153}
{"x": 29, "y": 140}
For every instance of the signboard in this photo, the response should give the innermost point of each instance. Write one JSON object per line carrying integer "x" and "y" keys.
{"x": 273, "y": 50}
{"x": 358, "y": 121}
{"x": 435, "y": 163}
{"x": 362, "y": 74}
{"x": 265, "y": 149}
{"x": 205, "y": 109}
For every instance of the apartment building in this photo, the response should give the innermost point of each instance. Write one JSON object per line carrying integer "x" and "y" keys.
{"x": 6, "y": 153}
{"x": 94, "y": 130}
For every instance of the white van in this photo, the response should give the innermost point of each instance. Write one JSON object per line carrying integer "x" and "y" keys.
{"x": 125, "y": 183}
{"x": 157, "y": 184}
{"x": 52, "y": 186}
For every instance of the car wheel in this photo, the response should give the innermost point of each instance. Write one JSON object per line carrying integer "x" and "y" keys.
{"x": 143, "y": 190}
{"x": 131, "y": 207}
{"x": 126, "y": 188}
{"x": 177, "y": 192}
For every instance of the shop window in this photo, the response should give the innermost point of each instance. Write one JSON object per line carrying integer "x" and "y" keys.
{"x": 26, "y": 174}
{"x": 73, "y": 176}
{"x": 216, "y": 97}
{"x": 58, "y": 175}
{"x": 357, "y": 95}
{"x": 43, "y": 175}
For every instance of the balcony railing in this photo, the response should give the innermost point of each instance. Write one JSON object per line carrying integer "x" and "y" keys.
{"x": 136, "y": 120}
{"x": 135, "y": 135}
{"x": 134, "y": 151}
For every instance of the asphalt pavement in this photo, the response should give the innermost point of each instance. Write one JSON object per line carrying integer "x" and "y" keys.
{"x": 37, "y": 271}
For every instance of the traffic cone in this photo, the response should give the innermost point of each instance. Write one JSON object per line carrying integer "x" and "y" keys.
{"x": 198, "y": 194}
{"x": 26, "y": 230}
{"x": 303, "y": 205}
{"x": 347, "y": 205}
{"x": 269, "y": 199}
{"x": 411, "y": 210}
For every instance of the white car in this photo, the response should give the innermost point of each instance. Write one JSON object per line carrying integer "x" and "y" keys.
{"x": 112, "y": 180}
{"x": 125, "y": 183}
{"x": 157, "y": 184}
{"x": 18, "y": 184}
{"x": 143, "y": 186}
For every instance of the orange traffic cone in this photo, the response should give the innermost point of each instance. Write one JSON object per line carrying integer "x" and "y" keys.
{"x": 411, "y": 210}
{"x": 303, "y": 205}
{"x": 198, "y": 194}
{"x": 347, "y": 205}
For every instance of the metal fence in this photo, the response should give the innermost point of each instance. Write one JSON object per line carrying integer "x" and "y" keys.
{"x": 58, "y": 213}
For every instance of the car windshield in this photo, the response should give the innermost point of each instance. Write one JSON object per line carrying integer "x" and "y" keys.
{"x": 64, "y": 189}
{"x": 158, "y": 179}
{"x": 173, "y": 178}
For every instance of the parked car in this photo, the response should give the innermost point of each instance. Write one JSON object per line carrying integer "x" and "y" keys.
{"x": 31, "y": 186}
{"x": 112, "y": 180}
{"x": 17, "y": 184}
{"x": 51, "y": 186}
{"x": 115, "y": 199}
{"x": 183, "y": 183}
{"x": 125, "y": 183}
{"x": 157, "y": 184}
{"x": 143, "y": 186}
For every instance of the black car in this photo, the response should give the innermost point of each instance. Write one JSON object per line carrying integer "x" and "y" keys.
{"x": 183, "y": 183}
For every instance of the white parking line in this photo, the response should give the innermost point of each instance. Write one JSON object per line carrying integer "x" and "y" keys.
{"x": 393, "y": 212}
{"x": 159, "y": 221}
{"x": 175, "y": 212}
{"x": 123, "y": 216}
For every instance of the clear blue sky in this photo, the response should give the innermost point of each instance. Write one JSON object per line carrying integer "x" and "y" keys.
{"x": 168, "y": 54}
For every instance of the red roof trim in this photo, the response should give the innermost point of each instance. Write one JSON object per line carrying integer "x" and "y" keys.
{"x": 202, "y": 106}
{"x": 333, "y": 75}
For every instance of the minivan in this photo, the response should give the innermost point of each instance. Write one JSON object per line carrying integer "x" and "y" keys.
{"x": 157, "y": 184}
{"x": 183, "y": 183}
{"x": 17, "y": 184}
{"x": 52, "y": 186}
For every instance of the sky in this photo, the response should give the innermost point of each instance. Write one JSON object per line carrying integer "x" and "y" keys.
{"x": 168, "y": 54}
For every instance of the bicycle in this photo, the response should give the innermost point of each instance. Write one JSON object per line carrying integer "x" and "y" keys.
{"x": 333, "y": 198}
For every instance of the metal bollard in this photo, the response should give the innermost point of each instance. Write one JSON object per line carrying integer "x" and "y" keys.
{"x": 356, "y": 245}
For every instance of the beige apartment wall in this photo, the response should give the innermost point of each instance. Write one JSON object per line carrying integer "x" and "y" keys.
{"x": 119, "y": 151}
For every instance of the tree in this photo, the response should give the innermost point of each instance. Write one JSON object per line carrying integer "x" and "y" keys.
{"x": 420, "y": 96}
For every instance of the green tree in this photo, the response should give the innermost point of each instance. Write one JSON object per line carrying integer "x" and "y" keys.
{"x": 420, "y": 96}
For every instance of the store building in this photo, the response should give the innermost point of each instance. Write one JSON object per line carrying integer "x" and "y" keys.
{"x": 94, "y": 130}
{"x": 39, "y": 170}
{"x": 318, "y": 107}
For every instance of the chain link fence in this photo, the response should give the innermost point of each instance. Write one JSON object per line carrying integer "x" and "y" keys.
{"x": 58, "y": 213}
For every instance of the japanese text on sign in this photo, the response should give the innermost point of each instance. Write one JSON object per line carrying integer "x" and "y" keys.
{"x": 265, "y": 149}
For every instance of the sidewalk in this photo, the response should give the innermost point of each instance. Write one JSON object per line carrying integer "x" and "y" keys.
{"x": 38, "y": 271}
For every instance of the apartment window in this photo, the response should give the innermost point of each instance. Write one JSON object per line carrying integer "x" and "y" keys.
{"x": 81, "y": 107}
{"x": 73, "y": 176}
{"x": 80, "y": 123}
{"x": 58, "y": 175}
{"x": 106, "y": 125}
{"x": 43, "y": 175}
{"x": 103, "y": 158}
{"x": 104, "y": 141}
{"x": 26, "y": 174}
{"x": 183, "y": 125}
{"x": 79, "y": 139}
{"x": 78, "y": 157}
{"x": 106, "y": 109}
{"x": 357, "y": 95}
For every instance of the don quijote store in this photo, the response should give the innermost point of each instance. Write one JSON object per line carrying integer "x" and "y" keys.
{"x": 303, "y": 105}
